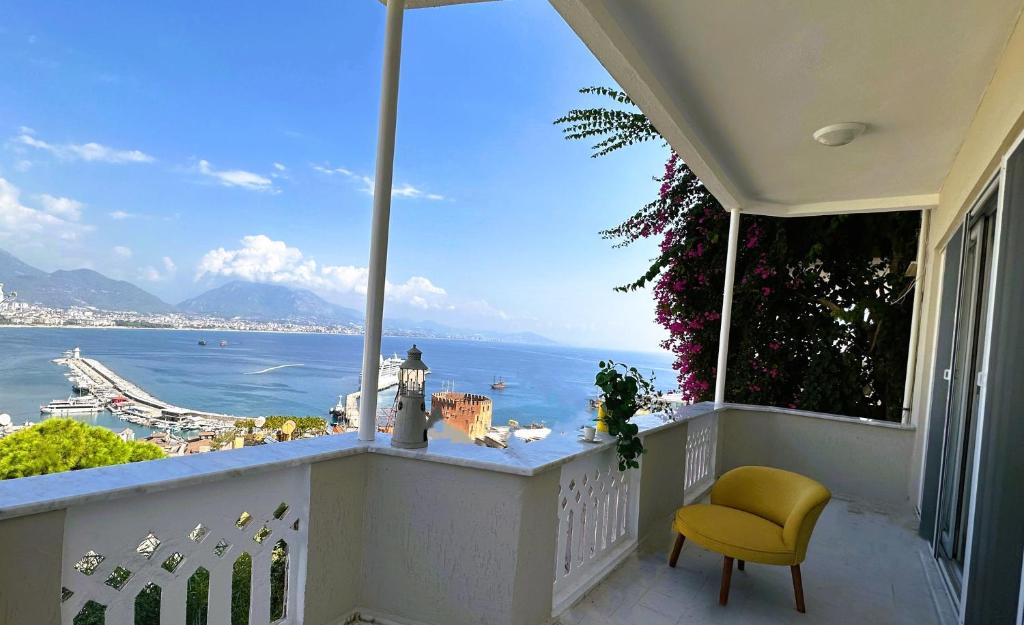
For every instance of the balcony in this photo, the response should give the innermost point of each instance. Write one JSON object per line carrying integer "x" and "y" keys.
{"x": 340, "y": 531}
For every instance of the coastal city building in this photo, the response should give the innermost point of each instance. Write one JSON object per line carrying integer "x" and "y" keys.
{"x": 468, "y": 412}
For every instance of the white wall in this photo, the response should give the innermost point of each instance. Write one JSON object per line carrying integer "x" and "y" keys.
{"x": 454, "y": 545}
{"x": 866, "y": 462}
{"x": 337, "y": 495}
{"x": 30, "y": 568}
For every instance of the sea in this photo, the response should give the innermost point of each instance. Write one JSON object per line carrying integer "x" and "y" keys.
{"x": 547, "y": 384}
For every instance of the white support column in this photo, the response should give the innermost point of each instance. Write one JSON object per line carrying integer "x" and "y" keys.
{"x": 381, "y": 219}
{"x": 730, "y": 279}
{"x": 915, "y": 317}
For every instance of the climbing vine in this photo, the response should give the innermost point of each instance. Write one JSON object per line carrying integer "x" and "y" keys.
{"x": 821, "y": 305}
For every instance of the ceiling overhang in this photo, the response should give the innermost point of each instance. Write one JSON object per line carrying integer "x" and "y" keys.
{"x": 427, "y": 4}
{"x": 738, "y": 87}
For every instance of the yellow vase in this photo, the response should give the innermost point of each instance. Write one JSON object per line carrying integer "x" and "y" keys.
{"x": 601, "y": 425}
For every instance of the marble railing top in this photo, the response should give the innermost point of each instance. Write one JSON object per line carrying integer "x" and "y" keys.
{"x": 56, "y": 491}
{"x": 30, "y": 495}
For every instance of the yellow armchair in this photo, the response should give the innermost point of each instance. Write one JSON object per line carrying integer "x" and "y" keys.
{"x": 756, "y": 514}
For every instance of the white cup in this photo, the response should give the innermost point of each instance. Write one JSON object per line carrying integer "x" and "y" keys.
{"x": 588, "y": 432}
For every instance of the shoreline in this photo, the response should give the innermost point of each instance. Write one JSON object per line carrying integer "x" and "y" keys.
{"x": 552, "y": 345}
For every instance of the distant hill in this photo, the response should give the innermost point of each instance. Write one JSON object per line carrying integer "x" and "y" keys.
{"x": 439, "y": 330}
{"x": 80, "y": 287}
{"x": 269, "y": 302}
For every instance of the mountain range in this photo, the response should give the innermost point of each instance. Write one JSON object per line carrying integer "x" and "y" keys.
{"x": 269, "y": 302}
{"x": 238, "y": 299}
{"x": 79, "y": 287}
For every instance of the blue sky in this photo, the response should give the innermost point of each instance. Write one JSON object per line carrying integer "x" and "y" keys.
{"x": 180, "y": 145}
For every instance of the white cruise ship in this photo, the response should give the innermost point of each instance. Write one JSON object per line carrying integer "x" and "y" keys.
{"x": 71, "y": 405}
{"x": 388, "y": 376}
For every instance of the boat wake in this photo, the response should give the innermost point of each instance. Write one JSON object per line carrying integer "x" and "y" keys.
{"x": 269, "y": 369}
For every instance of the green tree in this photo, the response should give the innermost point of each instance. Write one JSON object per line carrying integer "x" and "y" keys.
{"x": 303, "y": 425}
{"x": 821, "y": 305}
{"x": 57, "y": 445}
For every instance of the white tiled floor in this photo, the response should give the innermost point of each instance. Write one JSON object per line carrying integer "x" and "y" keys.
{"x": 862, "y": 568}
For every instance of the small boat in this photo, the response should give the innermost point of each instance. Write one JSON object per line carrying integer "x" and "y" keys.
{"x": 498, "y": 384}
{"x": 202, "y": 341}
{"x": 72, "y": 405}
{"x": 223, "y": 343}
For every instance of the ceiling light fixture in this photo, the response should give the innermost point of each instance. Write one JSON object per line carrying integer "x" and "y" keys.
{"x": 836, "y": 135}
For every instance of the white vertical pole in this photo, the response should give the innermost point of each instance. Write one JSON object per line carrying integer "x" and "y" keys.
{"x": 730, "y": 279}
{"x": 381, "y": 219}
{"x": 915, "y": 317}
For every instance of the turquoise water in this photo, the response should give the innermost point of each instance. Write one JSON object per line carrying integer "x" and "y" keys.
{"x": 544, "y": 383}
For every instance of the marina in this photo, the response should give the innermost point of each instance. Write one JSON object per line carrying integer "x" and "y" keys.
{"x": 99, "y": 388}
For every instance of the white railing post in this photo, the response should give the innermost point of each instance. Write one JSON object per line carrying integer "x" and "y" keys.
{"x": 915, "y": 318}
{"x": 730, "y": 277}
{"x": 376, "y": 285}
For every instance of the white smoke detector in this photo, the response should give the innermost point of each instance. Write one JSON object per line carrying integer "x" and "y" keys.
{"x": 836, "y": 135}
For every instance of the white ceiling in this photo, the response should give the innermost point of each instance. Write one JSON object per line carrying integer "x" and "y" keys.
{"x": 739, "y": 86}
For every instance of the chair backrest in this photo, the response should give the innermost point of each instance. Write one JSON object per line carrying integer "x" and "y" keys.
{"x": 788, "y": 499}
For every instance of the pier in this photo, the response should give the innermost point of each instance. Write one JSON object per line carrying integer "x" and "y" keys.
{"x": 94, "y": 377}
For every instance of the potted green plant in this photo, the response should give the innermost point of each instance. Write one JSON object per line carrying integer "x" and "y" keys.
{"x": 624, "y": 391}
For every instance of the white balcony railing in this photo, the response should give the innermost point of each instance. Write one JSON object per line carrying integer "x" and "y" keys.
{"x": 701, "y": 446}
{"x": 597, "y": 515}
{"x": 215, "y": 549}
{"x": 332, "y": 530}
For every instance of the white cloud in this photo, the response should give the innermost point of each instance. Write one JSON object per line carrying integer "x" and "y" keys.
{"x": 92, "y": 152}
{"x": 119, "y": 215}
{"x": 405, "y": 190}
{"x": 236, "y": 177}
{"x": 280, "y": 167}
{"x": 122, "y": 251}
{"x": 483, "y": 308}
{"x": 152, "y": 274}
{"x": 331, "y": 171}
{"x": 409, "y": 191}
{"x": 262, "y": 259}
{"x": 417, "y": 291}
{"x": 62, "y": 207}
{"x": 19, "y": 220}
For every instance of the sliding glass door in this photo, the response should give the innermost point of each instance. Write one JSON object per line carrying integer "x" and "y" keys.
{"x": 965, "y": 376}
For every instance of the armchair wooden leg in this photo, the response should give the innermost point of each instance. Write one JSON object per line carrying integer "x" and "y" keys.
{"x": 798, "y": 588}
{"x": 672, "y": 559}
{"x": 741, "y": 564}
{"x": 723, "y": 594}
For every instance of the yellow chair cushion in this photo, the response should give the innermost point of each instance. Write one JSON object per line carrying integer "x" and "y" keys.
{"x": 734, "y": 533}
{"x": 759, "y": 514}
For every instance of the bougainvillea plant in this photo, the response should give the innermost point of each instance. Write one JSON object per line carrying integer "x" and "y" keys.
{"x": 821, "y": 305}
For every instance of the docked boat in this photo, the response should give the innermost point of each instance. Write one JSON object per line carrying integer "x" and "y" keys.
{"x": 72, "y": 406}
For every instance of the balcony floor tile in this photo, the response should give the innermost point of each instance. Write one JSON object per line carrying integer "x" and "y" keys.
{"x": 862, "y": 567}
